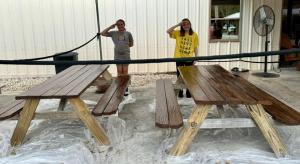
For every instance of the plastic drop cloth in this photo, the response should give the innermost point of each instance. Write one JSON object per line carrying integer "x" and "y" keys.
{"x": 135, "y": 139}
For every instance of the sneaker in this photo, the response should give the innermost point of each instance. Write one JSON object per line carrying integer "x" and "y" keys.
{"x": 180, "y": 93}
{"x": 188, "y": 94}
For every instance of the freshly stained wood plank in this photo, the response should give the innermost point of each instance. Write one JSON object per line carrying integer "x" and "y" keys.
{"x": 46, "y": 85}
{"x": 210, "y": 92}
{"x": 188, "y": 133}
{"x": 238, "y": 92}
{"x": 175, "y": 116}
{"x": 282, "y": 112}
{"x": 11, "y": 109}
{"x": 161, "y": 112}
{"x": 104, "y": 100}
{"x": 243, "y": 85}
{"x": 64, "y": 82}
{"x": 84, "y": 114}
{"x": 117, "y": 98}
{"x": 80, "y": 86}
{"x": 195, "y": 90}
{"x": 26, "y": 116}
{"x": 230, "y": 96}
{"x": 268, "y": 130}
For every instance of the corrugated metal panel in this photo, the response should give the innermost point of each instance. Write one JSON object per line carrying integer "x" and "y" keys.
{"x": 223, "y": 48}
{"x": 35, "y": 28}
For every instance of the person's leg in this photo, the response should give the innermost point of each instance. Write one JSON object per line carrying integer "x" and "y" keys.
{"x": 119, "y": 69}
{"x": 125, "y": 72}
{"x": 178, "y": 64}
{"x": 125, "y": 69}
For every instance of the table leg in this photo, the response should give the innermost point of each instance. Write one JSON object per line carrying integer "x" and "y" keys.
{"x": 62, "y": 104}
{"x": 268, "y": 130}
{"x": 107, "y": 75}
{"x": 23, "y": 124}
{"x": 188, "y": 133}
{"x": 86, "y": 117}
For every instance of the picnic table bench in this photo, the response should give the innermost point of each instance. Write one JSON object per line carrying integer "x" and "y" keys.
{"x": 109, "y": 102}
{"x": 213, "y": 85}
{"x": 167, "y": 114}
{"x": 66, "y": 86}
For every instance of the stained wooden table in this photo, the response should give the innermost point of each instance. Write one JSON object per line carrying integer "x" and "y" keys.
{"x": 212, "y": 85}
{"x": 68, "y": 85}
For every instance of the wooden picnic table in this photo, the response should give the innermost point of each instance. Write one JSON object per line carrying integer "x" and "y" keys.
{"x": 212, "y": 85}
{"x": 68, "y": 85}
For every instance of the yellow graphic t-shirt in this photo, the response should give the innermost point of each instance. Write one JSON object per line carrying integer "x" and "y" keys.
{"x": 185, "y": 45}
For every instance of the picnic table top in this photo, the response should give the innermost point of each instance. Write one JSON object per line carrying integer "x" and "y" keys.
{"x": 67, "y": 84}
{"x": 212, "y": 84}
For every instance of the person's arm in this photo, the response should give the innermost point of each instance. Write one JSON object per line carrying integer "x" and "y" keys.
{"x": 105, "y": 31}
{"x": 130, "y": 40}
{"x": 196, "y": 51}
{"x": 171, "y": 29}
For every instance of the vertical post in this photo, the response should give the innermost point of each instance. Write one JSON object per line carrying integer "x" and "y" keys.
{"x": 98, "y": 24}
{"x": 266, "y": 49}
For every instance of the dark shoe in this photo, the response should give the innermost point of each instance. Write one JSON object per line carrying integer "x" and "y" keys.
{"x": 126, "y": 92}
{"x": 188, "y": 94}
{"x": 180, "y": 93}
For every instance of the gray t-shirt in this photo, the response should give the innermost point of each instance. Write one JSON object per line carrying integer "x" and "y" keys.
{"x": 121, "y": 41}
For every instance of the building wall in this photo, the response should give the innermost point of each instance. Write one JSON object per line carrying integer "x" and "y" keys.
{"x": 36, "y": 28}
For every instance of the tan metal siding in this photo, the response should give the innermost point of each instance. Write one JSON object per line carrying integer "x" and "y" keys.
{"x": 36, "y": 28}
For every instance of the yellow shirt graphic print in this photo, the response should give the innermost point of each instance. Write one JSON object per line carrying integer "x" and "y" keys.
{"x": 185, "y": 45}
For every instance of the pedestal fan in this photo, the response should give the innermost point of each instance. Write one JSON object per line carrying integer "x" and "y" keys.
{"x": 263, "y": 24}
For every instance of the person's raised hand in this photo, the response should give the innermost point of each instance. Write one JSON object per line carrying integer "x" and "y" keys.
{"x": 112, "y": 26}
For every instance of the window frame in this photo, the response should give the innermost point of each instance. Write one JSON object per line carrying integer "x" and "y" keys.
{"x": 240, "y": 26}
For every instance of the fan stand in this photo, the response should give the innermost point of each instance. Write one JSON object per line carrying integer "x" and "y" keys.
{"x": 265, "y": 73}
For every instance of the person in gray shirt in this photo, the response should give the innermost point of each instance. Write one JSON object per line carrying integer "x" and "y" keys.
{"x": 122, "y": 40}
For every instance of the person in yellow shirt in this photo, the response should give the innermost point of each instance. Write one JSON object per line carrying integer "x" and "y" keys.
{"x": 186, "y": 45}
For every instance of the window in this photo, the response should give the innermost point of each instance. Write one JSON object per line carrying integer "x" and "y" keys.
{"x": 225, "y": 20}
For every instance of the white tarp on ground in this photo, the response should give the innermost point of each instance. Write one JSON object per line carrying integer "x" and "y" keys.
{"x": 135, "y": 139}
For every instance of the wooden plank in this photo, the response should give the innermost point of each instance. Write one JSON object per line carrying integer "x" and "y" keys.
{"x": 11, "y": 109}
{"x": 90, "y": 122}
{"x": 175, "y": 116}
{"x": 63, "y": 83}
{"x": 268, "y": 130}
{"x": 46, "y": 85}
{"x": 117, "y": 98}
{"x": 277, "y": 109}
{"x": 210, "y": 92}
{"x": 104, "y": 100}
{"x": 161, "y": 112}
{"x": 220, "y": 123}
{"x": 79, "y": 85}
{"x": 26, "y": 116}
{"x": 222, "y": 76}
{"x": 282, "y": 112}
{"x": 195, "y": 90}
{"x": 188, "y": 133}
{"x": 244, "y": 85}
{"x": 228, "y": 93}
